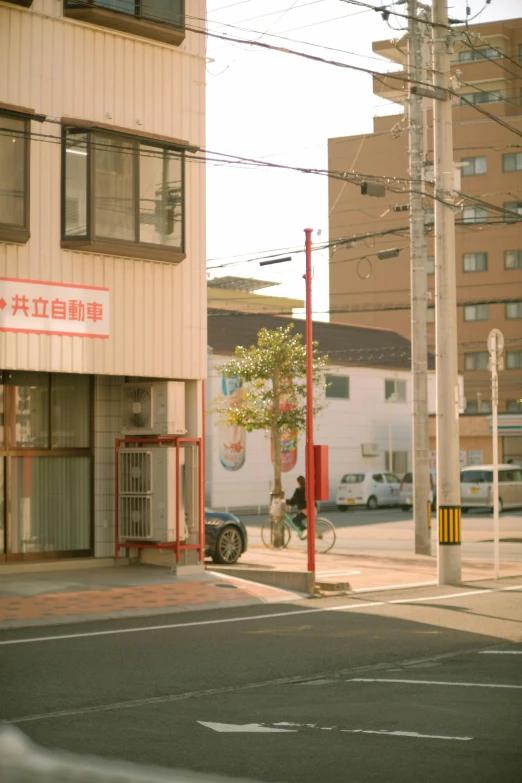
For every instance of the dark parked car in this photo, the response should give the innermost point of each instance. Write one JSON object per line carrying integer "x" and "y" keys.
{"x": 225, "y": 537}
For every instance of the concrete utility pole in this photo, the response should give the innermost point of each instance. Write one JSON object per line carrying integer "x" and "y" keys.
{"x": 496, "y": 363}
{"x": 419, "y": 293}
{"x": 448, "y": 470}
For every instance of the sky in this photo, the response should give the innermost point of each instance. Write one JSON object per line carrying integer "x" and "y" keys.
{"x": 282, "y": 109}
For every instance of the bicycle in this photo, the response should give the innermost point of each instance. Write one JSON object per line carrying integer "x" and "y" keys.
{"x": 276, "y": 534}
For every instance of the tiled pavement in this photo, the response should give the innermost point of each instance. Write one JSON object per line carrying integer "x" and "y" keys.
{"x": 58, "y": 603}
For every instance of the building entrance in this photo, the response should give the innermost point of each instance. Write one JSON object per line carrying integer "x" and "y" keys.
{"x": 45, "y": 465}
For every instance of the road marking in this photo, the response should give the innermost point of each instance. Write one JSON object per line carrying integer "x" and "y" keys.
{"x": 435, "y": 682}
{"x": 257, "y": 728}
{"x": 261, "y": 728}
{"x": 500, "y": 652}
{"x": 257, "y": 617}
{"x": 322, "y": 574}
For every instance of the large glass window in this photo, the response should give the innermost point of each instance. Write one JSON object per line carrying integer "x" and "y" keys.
{"x": 162, "y": 20}
{"x": 29, "y": 396}
{"x": 395, "y": 391}
{"x": 474, "y": 215}
{"x": 512, "y": 161}
{"x": 13, "y": 172}
{"x": 478, "y": 312}
{"x": 514, "y": 360}
{"x": 70, "y": 411}
{"x": 50, "y": 504}
{"x": 123, "y": 193}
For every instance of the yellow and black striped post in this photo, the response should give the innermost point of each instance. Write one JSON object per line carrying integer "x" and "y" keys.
{"x": 449, "y": 525}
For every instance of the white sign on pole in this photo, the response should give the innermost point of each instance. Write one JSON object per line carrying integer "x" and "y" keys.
{"x": 53, "y": 308}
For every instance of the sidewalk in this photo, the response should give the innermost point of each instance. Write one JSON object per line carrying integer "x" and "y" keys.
{"x": 53, "y": 597}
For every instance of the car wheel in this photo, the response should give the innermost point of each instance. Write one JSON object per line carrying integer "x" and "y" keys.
{"x": 229, "y": 546}
{"x": 341, "y": 508}
{"x": 372, "y": 503}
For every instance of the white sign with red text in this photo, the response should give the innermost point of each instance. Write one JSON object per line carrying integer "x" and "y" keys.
{"x": 53, "y": 308}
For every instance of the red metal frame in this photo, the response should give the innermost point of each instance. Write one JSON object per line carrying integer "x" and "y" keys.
{"x": 176, "y": 545}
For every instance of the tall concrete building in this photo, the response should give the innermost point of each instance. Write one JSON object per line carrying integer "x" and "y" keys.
{"x": 102, "y": 262}
{"x": 366, "y": 289}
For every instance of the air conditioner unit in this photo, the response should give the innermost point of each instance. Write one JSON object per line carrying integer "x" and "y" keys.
{"x": 153, "y": 408}
{"x": 370, "y": 449}
{"x": 147, "y": 495}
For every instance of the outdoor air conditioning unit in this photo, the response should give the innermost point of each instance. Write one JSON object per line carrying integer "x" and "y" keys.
{"x": 147, "y": 504}
{"x": 153, "y": 408}
{"x": 370, "y": 449}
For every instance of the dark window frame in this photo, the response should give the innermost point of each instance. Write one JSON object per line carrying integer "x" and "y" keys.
{"x": 470, "y": 160}
{"x": 119, "y": 247}
{"x": 518, "y": 257}
{"x": 475, "y": 361}
{"x": 330, "y": 381}
{"x": 10, "y": 233}
{"x": 474, "y": 271}
{"x": 93, "y": 13}
{"x": 517, "y": 156}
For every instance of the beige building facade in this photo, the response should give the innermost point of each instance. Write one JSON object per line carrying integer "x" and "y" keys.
{"x": 102, "y": 252}
{"x": 366, "y": 289}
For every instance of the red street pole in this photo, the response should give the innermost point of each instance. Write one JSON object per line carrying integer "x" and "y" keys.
{"x": 310, "y": 472}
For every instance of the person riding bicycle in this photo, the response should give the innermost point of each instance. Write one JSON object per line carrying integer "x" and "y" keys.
{"x": 299, "y": 499}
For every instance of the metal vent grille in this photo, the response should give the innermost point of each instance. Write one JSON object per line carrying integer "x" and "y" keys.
{"x": 135, "y": 472}
{"x": 135, "y": 517}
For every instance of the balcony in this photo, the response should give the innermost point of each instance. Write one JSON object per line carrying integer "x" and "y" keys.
{"x": 159, "y": 20}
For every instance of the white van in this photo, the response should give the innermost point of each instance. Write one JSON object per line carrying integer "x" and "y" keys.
{"x": 476, "y": 487}
{"x": 406, "y": 491}
{"x": 370, "y": 489}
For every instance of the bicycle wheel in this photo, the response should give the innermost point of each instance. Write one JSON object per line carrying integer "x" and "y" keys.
{"x": 275, "y": 535}
{"x": 324, "y": 535}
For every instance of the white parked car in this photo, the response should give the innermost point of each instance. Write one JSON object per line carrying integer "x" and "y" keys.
{"x": 476, "y": 487}
{"x": 370, "y": 489}
{"x": 406, "y": 491}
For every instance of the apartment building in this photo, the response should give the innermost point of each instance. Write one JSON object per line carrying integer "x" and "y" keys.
{"x": 102, "y": 255}
{"x": 487, "y": 70}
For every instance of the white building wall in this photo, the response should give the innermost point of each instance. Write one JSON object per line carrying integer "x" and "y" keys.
{"x": 63, "y": 68}
{"x": 343, "y": 426}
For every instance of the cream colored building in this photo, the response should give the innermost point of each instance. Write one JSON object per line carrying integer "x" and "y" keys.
{"x": 102, "y": 252}
{"x": 487, "y": 70}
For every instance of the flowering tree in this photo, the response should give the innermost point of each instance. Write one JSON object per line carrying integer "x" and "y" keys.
{"x": 273, "y": 392}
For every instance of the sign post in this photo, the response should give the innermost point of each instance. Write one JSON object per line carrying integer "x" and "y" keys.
{"x": 496, "y": 363}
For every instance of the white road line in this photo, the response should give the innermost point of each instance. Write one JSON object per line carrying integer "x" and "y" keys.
{"x": 500, "y": 652}
{"x": 257, "y": 617}
{"x": 322, "y": 574}
{"x": 435, "y": 682}
{"x": 411, "y": 734}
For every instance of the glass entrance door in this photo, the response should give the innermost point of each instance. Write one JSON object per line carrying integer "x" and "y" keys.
{"x": 45, "y": 466}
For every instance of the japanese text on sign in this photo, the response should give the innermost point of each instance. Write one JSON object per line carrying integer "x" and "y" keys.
{"x": 53, "y": 308}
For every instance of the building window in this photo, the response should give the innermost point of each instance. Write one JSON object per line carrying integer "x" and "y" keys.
{"x": 122, "y": 196}
{"x": 480, "y": 97}
{"x": 161, "y": 20}
{"x": 475, "y": 262}
{"x": 478, "y": 312}
{"x": 474, "y": 166}
{"x": 513, "y": 259}
{"x": 513, "y": 310}
{"x": 514, "y": 360}
{"x": 430, "y": 268}
{"x": 514, "y": 207}
{"x": 512, "y": 161}
{"x": 474, "y": 215}
{"x": 45, "y": 433}
{"x": 398, "y": 467}
{"x": 514, "y": 406}
{"x": 487, "y": 53}
{"x": 395, "y": 391}
{"x": 478, "y": 406}
{"x": 338, "y": 387}
{"x": 14, "y": 178}
{"x": 476, "y": 361}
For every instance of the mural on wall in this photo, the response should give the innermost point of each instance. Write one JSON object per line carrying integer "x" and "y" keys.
{"x": 288, "y": 445}
{"x": 232, "y": 440}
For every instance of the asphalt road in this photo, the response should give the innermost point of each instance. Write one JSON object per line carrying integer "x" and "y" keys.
{"x": 391, "y": 686}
